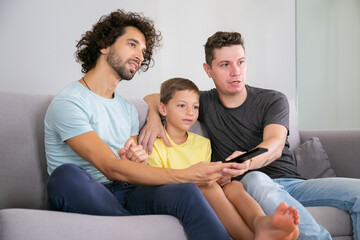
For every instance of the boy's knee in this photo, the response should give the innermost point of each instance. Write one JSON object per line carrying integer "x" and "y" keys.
{"x": 234, "y": 190}
{"x": 233, "y": 186}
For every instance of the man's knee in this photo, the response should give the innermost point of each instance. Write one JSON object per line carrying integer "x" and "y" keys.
{"x": 185, "y": 189}
{"x": 254, "y": 179}
{"x": 65, "y": 176}
{"x": 182, "y": 193}
{"x": 67, "y": 169}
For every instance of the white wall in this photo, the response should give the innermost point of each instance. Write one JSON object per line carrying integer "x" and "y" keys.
{"x": 328, "y": 60}
{"x": 38, "y": 38}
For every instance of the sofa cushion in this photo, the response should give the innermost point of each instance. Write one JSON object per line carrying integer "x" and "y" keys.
{"x": 312, "y": 160}
{"x": 142, "y": 108}
{"x": 44, "y": 225}
{"x": 337, "y": 221}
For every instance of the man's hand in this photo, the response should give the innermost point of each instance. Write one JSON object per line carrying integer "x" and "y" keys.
{"x": 236, "y": 169}
{"x": 152, "y": 129}
{"x": 206, "y": 173}
{"x": 133, "y": 152}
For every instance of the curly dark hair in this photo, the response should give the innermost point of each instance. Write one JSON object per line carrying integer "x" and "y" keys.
{"x": 105, "y": 32}
{"x": 219, "y": 40}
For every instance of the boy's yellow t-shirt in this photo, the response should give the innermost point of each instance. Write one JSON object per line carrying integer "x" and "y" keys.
{"x": 195, "y": 149}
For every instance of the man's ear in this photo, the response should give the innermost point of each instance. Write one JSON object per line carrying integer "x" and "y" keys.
{"x": 162, "y": 109}
{"x": 207, "y": 69}
{"x": 105, "y": 50}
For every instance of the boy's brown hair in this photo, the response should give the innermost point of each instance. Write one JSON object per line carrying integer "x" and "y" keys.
{"x": 171, "y": 86}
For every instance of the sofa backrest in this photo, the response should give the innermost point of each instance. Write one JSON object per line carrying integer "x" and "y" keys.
{"x": 22, "y": 158}
{"x": 23, "y": 173}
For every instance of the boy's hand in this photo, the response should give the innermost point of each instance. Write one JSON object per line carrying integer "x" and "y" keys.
{"x": 224, "y": 180}
{"x": 205, "y": 173}
{"x": 133, "y": 152}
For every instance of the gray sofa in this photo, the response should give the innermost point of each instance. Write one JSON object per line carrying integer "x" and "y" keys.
{"x": 23, "y": 179}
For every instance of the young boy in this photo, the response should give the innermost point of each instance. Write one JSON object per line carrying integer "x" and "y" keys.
{"x": 241, "y": 215}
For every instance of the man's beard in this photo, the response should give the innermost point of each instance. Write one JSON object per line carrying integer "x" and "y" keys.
{"x": 118, "y": 65}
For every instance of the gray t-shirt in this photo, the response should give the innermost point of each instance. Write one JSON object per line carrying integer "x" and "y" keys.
{"x": 241, "y": 128}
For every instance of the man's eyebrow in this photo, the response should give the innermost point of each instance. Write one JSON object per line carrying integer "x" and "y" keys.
{"x": 132, "y": 40}
{"x": 226, "y": 61}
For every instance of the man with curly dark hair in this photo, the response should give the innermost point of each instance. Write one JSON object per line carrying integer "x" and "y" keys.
{"x": 94, "y": 161}
{"x": 107, "y": 30}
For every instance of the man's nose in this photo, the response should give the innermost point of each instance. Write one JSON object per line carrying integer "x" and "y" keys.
{"x": 140, "y": 56}
{"x": 235, "y": 70}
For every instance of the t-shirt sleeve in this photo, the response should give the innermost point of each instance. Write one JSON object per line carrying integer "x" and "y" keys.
{"x": 208, "y": 152}
{"x": 278, "y": 112}
{"x": 155, "y": 159}
{"x": 68, "y": 119}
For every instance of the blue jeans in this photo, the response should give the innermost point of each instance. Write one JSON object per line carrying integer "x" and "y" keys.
{"x": 342, "y": 193}
{"x": 71, "y": 189}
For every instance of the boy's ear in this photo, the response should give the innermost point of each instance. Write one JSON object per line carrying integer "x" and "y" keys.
{"x": 162, "y": 109}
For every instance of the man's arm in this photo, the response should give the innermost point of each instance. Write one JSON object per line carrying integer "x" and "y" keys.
{"x": 93, "y": 149}
{"x": 273, "y": 139}
{"x": 153, "y": 127}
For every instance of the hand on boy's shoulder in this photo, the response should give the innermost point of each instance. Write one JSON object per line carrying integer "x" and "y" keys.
{"x": 153, "y": 129}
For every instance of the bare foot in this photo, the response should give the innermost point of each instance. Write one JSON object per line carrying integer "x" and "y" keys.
{"x": 282, "y": 225}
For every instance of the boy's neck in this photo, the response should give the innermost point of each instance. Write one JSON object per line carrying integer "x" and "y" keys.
{"x": 177, "y": 136}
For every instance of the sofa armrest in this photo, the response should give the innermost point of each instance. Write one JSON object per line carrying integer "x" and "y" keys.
{"x": 342, "y": 147}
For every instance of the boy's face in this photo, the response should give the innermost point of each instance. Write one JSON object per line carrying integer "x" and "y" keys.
{"x": 228, "y": 70}
{"x": 181, "y": 111}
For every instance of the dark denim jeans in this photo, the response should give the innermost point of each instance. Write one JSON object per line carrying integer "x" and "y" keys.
{"x": 71, "y": 189}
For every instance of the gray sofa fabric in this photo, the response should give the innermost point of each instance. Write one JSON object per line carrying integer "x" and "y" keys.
{"x": 23, "y": 163}
{"x": 23, "y": 178}
{"x": 49, "y": 225}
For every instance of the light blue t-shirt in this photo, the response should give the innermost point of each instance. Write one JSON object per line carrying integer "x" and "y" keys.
{"x": 77, "y": 110}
